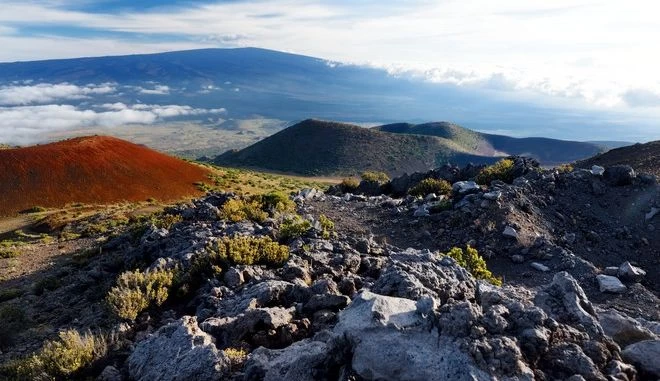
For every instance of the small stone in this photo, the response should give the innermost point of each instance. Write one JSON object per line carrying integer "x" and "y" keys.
{"x": 422, "y": 211}
{"x": 597, "y": 170}
{"x": 629, "y": 272}
{"x": 510, "y": 232}
{"x": 233, "y": 278}
{"x": 517, "y": 258}
{"x": 652, "y": 213}
{"x": 569, "y": 238}
{"x": 610, "y": 284}
{"x": 493, "y": 196}
{"x": 465, "y": 187}
{"x": 540, "y": 267}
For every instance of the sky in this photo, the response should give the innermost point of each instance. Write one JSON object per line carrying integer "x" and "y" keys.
{"x": 581, "y": 54}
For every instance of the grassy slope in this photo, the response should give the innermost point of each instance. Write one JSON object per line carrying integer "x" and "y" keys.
{"x": 315, "y": 147}
{"x": 547, "y": 151}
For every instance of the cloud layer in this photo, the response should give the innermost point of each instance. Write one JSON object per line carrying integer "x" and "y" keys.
{"x": 46, "y": 93}
{"x": 28, "y": 124}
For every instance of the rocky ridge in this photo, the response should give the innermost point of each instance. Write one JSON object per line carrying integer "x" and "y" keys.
{"x": 364, "y": 304}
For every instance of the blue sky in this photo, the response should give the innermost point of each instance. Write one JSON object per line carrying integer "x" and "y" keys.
{"x": 575, "y": 54}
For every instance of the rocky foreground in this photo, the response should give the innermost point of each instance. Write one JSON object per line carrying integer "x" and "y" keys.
{"x": 357, "y": 306}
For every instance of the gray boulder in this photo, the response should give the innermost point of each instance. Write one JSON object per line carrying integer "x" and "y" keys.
{"x": 231, "y": 329}
{"x": 612, "y": 284}
{"x": 565, "y": 301}
{"x": 465, "y": 187}
{"x": 645, "y": 355}
{"x": 390, "y": 341}
{"x": 177, "y": 351}
{"x": 623, "y": 329}
{"x": 629, "y": 272}
{"x": 619, "y": 175}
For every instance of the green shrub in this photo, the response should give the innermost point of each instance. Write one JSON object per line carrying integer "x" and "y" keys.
{"x": 349, "y": 184}
{"x": 237, "y": 210}
{"x": 137, "y": 291}
{"x": 237, "y": 357}
{"x": 327, "y": 226}
{"x": 440, "y": 206}
{"x": 474, "y": 263}
{"x": 502, "y": 170}
{"x": 276, "y": 202}
{"x": 428, "y": 186}
{"x": 247, "y": 250}
{"x": 565, "y": 168}
{"x": 294, "y": 227}
{"x": 60, "y": 358}
{"x": 374, "y": 176}
{"x": 9, "y": 253}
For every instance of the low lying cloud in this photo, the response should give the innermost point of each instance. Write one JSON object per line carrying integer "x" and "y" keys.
{"x": 41, "y": 93}
{"x": 27, "y": 124}
{"x": 157, "y": 90}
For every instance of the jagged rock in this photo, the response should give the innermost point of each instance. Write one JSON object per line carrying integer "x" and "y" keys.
{"x": 647, "y": 179}
{"x": 510, "y": 232}
{"x": 326, "y": 302}
{"x": 540, "y": 267}
{"x": 110, "y": 373}
{"x": 629, "y": 272}
{"x": 233, "y": 278}
{"x": 654, "y": 211}
{"x": 232, "y": 329}
{"x": 422, "y": 211}
{"x": 623, "y": 329}
{"x": 390, "y": 341}
{"x": 644, "y": 355}
{"x": 493, "y": 196}
{"x": 566, "y": 301}
{"x": 619, "y": 175}
{"x": 570, "y": 359}
{"x": 465, "y": 187}
{"x": 612, "y": 284}
{"x": 412, "y": 274}
{"x": 308, "y": 360}
{"x": 263, "y": 294}
{"x": 597, "y": 170}
{"x": 178, "y": 351}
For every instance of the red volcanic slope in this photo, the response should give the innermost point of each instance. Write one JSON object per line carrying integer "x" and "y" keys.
{"x": 93, "y": 170}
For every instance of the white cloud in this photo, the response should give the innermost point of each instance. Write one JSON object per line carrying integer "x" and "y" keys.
{"x": 157, "y": 90}
{"x": 642, "y": 98}
{"x": 47, "y": 93}
{"x": 29, "y": 124}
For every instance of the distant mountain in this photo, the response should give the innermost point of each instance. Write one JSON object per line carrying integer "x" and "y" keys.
{"x": 644, "y": 158}
{"x": 93, "y": 170}
{"x": 315, "y": 147}
{"x": 276, "y": 85}
{"x": 547, "y": 151}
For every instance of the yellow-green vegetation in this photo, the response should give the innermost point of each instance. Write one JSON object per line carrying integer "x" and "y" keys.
{"x": 236, "y": 356}
{"x": 247, "y": 250}
{"x": 375, "y": 176}
{"x": 60, "y": 358}
{"x": 137, "y": 291}
{"x": 428, "y": 186}
{"x": 565, "y": 168}
{"x": 248, "y": 182}
{"x": 294, "y": 227}
{"x": 474, "y": 263}
{"x": 276, "y": 202}
{"x": 327, "y": 226}
{"x": 502, "y": 170}
{"x": 237, "y": 210}
{"x": 349, "y": 184}
{"x": 9, "y": 253}
{"x": 440, "y": 206}
{"x": 34, "y": 209}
